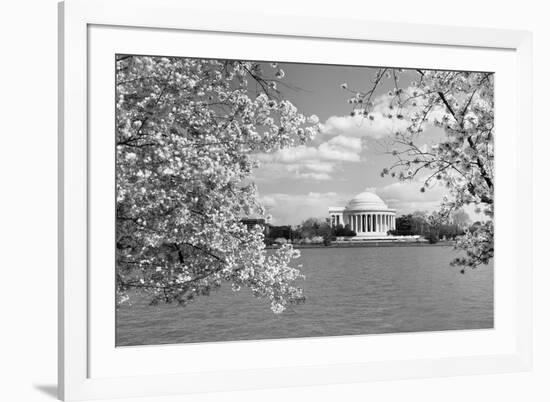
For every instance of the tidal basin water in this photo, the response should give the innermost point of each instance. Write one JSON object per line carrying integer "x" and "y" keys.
{"x": 350, "y": 291}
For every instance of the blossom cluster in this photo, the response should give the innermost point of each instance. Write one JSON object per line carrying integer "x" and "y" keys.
{"x": 186, "y": 130}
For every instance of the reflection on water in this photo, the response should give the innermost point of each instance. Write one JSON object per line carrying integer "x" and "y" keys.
{"x": 349, "y": 291}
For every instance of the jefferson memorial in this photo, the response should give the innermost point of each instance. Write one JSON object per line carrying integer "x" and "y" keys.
{"x": 366, "y": 214}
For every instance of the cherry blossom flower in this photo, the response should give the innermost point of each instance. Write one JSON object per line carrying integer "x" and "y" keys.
{"x": 280, "y": 74}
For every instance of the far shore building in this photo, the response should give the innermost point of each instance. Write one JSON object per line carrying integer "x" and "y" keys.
{"x": 366, "y": 214}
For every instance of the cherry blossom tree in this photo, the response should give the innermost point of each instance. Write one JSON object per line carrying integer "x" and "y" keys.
{"x": 461, "y": 105}
{"x": 185, "y": 132}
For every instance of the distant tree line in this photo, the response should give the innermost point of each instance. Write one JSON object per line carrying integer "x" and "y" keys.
{"x": 433, "y": 227}
{"x": 310, "y": 231}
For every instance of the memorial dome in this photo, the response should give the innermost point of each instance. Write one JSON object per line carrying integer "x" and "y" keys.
{"x": 366, "y": 200}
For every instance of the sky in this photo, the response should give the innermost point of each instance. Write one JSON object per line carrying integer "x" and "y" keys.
{"x": 345, "y": 159}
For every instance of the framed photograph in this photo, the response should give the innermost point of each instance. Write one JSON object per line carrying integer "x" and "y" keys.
{"x": 257, "y": 200}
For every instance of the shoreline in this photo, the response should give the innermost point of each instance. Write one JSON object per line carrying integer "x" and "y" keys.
{"x": 373, "y": 243}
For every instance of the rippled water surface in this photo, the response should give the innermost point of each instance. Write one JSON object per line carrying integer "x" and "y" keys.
{"x": 349, "y": 291}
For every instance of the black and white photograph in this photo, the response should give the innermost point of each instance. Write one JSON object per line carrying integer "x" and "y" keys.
{"x": 268, "y": 200}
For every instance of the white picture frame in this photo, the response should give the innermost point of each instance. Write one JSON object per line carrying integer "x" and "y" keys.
{"x": 90, "y": 367}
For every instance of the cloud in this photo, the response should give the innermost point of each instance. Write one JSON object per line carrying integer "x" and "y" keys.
{"x": 289, "y": 155}
{"x": 308, "y": 162}
{"x": 406, "y": 196}
{"x": 339, "y": 148}
{"x": 379, "y": 124}
{"x": 312, "y": 170}
{"x": 313, "y": 176}
{"x": 292, "y": 209}
{"x": 319, "y": 167}
{"x": 361, "y": 126}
